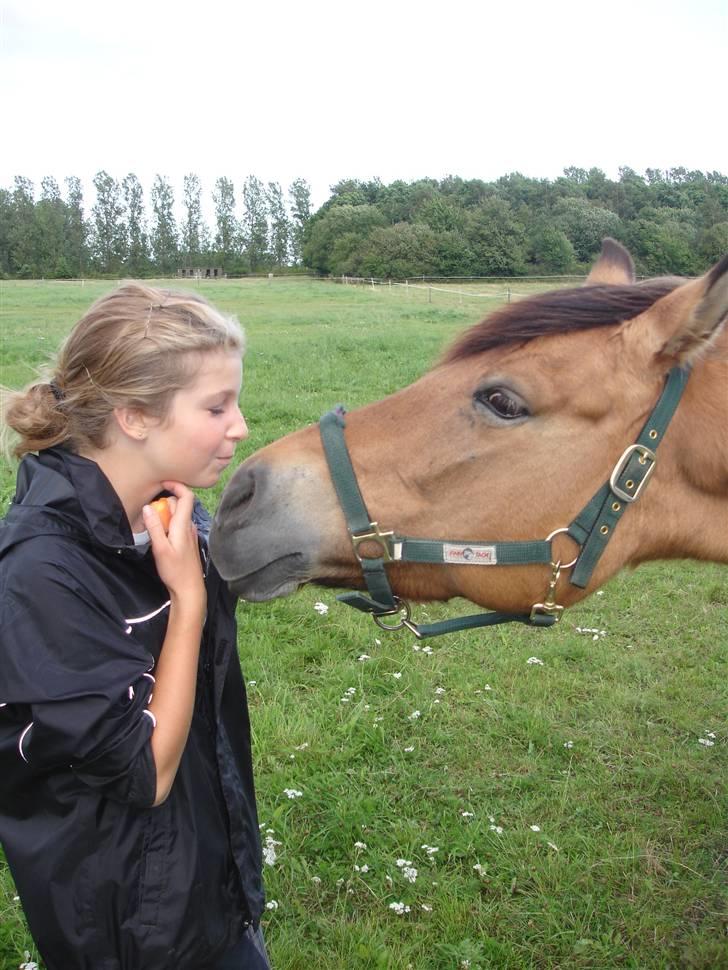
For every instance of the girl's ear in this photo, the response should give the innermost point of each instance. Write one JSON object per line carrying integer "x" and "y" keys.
{"x": 614, "y": 265}
{"x": 683, "y": 325}
{"x": 132, "y": 422}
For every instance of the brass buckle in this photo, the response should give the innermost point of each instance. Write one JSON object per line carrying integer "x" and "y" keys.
{"x": 402, "y": 607}
{"x": 550, "y": 607}
{"x": 646, "y": 454}
{"x": 381, "y": 538}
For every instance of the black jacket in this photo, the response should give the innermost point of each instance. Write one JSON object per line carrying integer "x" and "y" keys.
{"x": 106, "y": 881}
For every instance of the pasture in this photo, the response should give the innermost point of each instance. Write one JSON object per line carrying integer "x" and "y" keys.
{"x": 510, "y": 798}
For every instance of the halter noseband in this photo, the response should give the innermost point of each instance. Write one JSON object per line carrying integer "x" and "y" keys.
{"x": 591, "y": 529}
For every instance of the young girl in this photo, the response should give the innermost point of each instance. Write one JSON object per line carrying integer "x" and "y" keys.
{"x": 127, "y": 810}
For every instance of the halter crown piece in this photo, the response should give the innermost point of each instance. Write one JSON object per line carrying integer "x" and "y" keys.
{"x": 591, "y": 529}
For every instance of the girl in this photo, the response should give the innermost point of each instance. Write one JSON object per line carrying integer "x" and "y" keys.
{"x": 127, "y": 810}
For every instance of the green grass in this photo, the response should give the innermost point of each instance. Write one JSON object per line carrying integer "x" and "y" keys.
{"x": 598, "y": 746}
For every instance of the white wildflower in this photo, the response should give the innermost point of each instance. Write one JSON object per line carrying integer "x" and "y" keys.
{"x": 321, "y": 608}
{"x": 568, "y": 744}
{"x": 252, "y": 683}
{"x": 706, "y": 741}
{"x": 426, "y": 908}
{"x": 363, "y": 657}
{"x": 410, "y": 748}
{"x": 360, "y": 845}
{"x": 316, "y": 880}
{"x": 487, "y": 687}
{"x": 467, "y": 815}
{"x": 401, "y": 863}
{"x": 498, "y": 829}
{"x": 351, "y": 690}
{"x": 292, "y": 792}
{"x": 378, "y": 642}
{"x": 414, "y": 715}
{"x": 399, "y": 908}
{"x": 427, "y": 650}
{"x": 302, "y": 747}
{"x": 410, "y": 873}
{"x": 535, "y": 828}
{"x": 552, "y": 846}
{"x": 439, "y": 690}
{"x": 430, "y": 849}
{"x": 269, "y": 849}
{"x": 29, "y": 964}
{"x": 480, "y": 869}
{"x": 535, "y": 661}
{"x": 397, "y": 675}
{"x": 272, "y": 904}
{"x": 363, "y": 868}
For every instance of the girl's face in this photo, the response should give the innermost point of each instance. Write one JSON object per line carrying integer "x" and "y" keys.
{"x": 197, "y": 439}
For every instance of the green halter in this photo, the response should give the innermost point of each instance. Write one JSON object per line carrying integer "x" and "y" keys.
{"x": 591, "y": 529}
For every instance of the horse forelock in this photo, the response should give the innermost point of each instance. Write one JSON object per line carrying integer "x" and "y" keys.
{"x": 559, "y": 312}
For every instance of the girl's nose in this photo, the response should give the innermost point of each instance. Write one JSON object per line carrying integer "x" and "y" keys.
{"x": 239, "y": 429}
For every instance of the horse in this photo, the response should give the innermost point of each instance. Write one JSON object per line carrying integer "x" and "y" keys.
{"x": 520, "y": 448}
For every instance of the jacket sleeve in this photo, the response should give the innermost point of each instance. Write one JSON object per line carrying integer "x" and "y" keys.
{"x": 69, "y": 661}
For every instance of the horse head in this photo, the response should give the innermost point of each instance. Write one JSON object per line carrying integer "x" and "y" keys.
{"x": 505, "y": 440}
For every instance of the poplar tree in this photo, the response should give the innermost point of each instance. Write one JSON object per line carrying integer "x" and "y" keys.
{"x": 254, "y": 223}
{"x": 165, "y": 247}
{"x": 137, "y": 261}
{"x": 76, "y": 232}
{"x": 108, "y": 226}
{"x": 23, "y": 235}
{"x": 299, "y": 195}
{"x": 226, "y": 226}
{"x": 193, "y": 230}
{"x": 50, "y": 221}
{"x": 280, "y": 226}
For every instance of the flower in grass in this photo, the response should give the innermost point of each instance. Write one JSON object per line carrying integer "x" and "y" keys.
{"x": 430, "y": 849}
{"x": 535, "y": 828}
{"x": 498, "y": 829}
{"x": 399, "y": 908}
{"x": 272, "y": 904}
{"x": 252, "y": 683}
{"x": 302, "y": 747}
{"x": 28, "y": 964}
{"x": 426, "y": 908}
{"x": 360, "y": 845}
{"x": 552, "y": 846}
{"x": 707, "y": 742}
{"x": 467, "y": 814}
{"x": 439, "y": 690}
{"x": 427, "y": 650}
{"x": 568, "y": 744}
{"x": 480, "y": 869}
{"x": 409, "y": 749}
{"x": 316, "y": 880}
{"x": 363, "y": 657}
{"x": 377, "y": 641}
{"x": 397, "y": 675}
{"x": 321, "y": 608}
{"x": 414, "y": 715}
{"x": 534, "y": 661}
{"x": 269, "y": 849}
{"x": 364, "y": 868}
{"x": 292, "y": 792}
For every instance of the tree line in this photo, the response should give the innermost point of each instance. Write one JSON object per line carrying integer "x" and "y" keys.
{"x": 673, "y": 221}
{"x": 54, "y": 236}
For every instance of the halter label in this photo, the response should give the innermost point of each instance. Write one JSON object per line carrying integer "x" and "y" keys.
{"x": 469, "y": 555}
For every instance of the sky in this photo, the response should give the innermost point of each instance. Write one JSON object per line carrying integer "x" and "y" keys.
{"x": 383, "y": 89}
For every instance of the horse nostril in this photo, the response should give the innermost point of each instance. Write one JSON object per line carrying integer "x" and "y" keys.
{"x": 238, "y": 496}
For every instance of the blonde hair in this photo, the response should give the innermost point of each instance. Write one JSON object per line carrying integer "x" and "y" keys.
{"x": 135, "y": 348}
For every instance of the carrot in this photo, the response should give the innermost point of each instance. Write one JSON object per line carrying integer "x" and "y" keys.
{"x": 161, "y": 507}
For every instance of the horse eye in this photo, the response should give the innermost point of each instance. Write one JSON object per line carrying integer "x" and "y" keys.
{"x": 502, "y": 403}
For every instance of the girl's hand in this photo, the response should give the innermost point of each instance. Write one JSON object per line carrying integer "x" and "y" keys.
{"x": 176, "y": 553}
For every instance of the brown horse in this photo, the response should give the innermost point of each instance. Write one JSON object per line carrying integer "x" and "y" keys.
{"x": 508, "y": 438}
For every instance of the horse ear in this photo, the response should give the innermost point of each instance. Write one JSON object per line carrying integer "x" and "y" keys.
{"x": 684, "y": 324}
{"x": 614, "y": 265}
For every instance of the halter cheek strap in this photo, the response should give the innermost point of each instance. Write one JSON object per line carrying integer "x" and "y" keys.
{"x": 591, "y": 529}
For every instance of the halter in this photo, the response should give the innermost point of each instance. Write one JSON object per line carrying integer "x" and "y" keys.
{"x": 591, "y": 530}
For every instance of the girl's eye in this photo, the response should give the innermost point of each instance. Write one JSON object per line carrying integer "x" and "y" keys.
{"x": 217, "y": 411}
{"x": 502, "y": 403}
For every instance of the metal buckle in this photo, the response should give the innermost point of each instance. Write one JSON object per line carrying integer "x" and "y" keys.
{"x": 401, "y": 606}
{"x": 550, "y": 607}
{"x": 646, "y": 454}
{"x": 381, "y": 538}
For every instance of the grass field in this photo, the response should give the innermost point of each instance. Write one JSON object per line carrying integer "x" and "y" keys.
{"x": 458, "y": 805}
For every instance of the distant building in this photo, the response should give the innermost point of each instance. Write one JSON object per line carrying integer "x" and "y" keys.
{"x": 208, "y": 273}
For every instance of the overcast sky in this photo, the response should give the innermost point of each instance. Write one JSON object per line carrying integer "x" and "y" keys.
{"x": 330, "y": 90}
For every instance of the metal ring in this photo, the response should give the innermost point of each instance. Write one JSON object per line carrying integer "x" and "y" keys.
{"x": 402, "y": 607}
{"x": 566, "y": 565}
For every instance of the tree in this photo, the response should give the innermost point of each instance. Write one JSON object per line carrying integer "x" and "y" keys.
{"x": 280, "y": 227}
{"x": 193, "y": 229}
{"x": 350, "y": 222}
{"x": 398, "y": 252}
{"x": 23, "y": 234}
{"x": 299, "y": 194}
{"x": 50, "y": 220}
{"x": 227, "y": 231}
{"x": 75, "y": 231}
{"x": 137, "y": 260}
{"x": 165, "y": 245}
{"x": 549, "y": 250}
{"x": 585, "y": 225}
{"x": 254, "y": 223}
{"x": 108, "y": 227}
{"x": 496, "y": 239}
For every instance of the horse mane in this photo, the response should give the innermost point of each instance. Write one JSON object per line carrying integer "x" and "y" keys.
{"x": 559, "y": 312}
